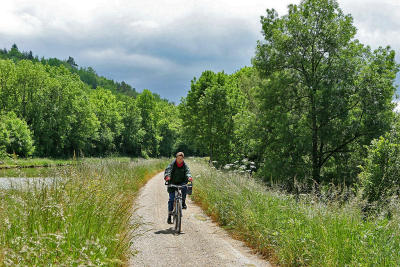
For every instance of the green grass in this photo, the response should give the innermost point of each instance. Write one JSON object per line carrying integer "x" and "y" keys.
{"x": 35, "y": 162}
{"x": 85, "y": 220}
{"x": 296, "y": 233}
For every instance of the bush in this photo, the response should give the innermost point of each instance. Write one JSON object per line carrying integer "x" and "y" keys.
{"x": 15, "y": 135}
{"x": 3, "y": 153}
{"x": 380, "y": 174}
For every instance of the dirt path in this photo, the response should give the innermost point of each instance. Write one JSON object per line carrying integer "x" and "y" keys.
{"x": 201, "y": 243}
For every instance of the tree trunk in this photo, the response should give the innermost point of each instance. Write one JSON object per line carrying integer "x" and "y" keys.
{"x": 316, "y": 169}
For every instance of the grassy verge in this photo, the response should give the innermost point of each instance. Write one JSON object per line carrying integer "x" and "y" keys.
{"x": 296, "y": 233}
{"x": 82, "y": 221}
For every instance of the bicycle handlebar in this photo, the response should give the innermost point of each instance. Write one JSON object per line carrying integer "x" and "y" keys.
{"x": 178, "y": 186}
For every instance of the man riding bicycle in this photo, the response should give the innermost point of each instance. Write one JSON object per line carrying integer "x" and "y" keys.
{"x": 177, "y": 173}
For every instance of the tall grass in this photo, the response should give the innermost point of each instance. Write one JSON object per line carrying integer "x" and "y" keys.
{"x": 296, "y": 233}
{"x": 84, "y": 220}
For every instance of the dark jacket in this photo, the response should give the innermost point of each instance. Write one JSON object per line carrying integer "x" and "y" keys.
{"x": 178, "y": 175}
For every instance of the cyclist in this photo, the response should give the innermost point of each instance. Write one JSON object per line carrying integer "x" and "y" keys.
{"x": 177, "y": 173}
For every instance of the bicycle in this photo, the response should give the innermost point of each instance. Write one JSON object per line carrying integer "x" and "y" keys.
{"x": 177, "y": 210}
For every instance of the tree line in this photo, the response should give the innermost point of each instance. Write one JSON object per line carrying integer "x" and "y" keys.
{"x": 87, "y": 75}
{"x": 49, "y": 107}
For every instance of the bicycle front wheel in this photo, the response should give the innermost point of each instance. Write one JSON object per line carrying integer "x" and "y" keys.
{"x": 178, "y": 221}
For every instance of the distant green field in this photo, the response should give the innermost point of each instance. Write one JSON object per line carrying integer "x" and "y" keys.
{"x": 35, "y": 162}
{"x": 44, "y": 167}
{"x": 85, "y": 220}
{"x": 297, "y": 233}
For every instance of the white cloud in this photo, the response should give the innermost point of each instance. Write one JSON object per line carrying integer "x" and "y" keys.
{"x": 72, "y": 15}
{"x": 397, "y": 107}
{"x": 17, "y": 22}
{"x": 377, "y": 22}
{"x": 144, "y": 25}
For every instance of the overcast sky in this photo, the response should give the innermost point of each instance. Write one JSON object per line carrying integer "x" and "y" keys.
{"x": 162, "y": 44}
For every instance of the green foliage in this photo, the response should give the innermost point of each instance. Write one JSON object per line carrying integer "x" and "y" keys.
{"x": 324, "y": 96}
{"x": 150, "y": 142}
{"x": 108, "y": 111}
{"x": 67, "y": 117}
{"x": 8, "y": 99}
{"x": 15, "y": 136}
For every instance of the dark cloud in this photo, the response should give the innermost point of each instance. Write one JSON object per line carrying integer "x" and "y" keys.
{"x": 163, "y": 48}
{"x": 162, "y": 58}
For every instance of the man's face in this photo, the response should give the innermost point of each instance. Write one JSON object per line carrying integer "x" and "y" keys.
{"x": 179, "y": 159}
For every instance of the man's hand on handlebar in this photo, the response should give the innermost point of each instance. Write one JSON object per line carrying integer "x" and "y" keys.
{"x": 190, "y": 179}
{"x": 167, "y": 178}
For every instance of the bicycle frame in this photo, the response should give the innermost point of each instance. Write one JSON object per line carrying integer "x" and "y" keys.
{"x": 177, "y": 211}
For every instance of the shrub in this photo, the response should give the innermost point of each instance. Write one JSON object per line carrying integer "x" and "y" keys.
{"x": 380, "y": 174}
{"x": 15, "y": 135}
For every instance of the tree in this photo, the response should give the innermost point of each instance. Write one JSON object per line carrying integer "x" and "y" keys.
{"x": 84, "y": 125}
{"x": 61, "y": 117}
{"x": 14, "y": 53}
{"x": 150, "y": 142}
{"x": 207, "y": 115}
{"x": 133, "y": 134}
{"x": 193, "y": 123}
{"x": 325, "y": 92}
{"x": 245, "y": 135}
{"x": 126, "y": 89}
{"x": 108, "y": 111}
{"x": 8, "y": 98}
{"x": 30, "y": 79}
{"x": 89, "y": 76}
{"x": 71, "y": 62}
{"x": 168, "y": 126}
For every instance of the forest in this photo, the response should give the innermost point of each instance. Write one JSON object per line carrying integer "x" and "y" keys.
{"x": 314, "y": 109}
{"x": 51, "y": 108}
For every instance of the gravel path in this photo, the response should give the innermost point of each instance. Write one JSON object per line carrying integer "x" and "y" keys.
{"x": 201, "y": 243}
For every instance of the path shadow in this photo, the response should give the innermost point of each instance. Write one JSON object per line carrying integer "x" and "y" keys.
{"x": 169, "y": 231}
